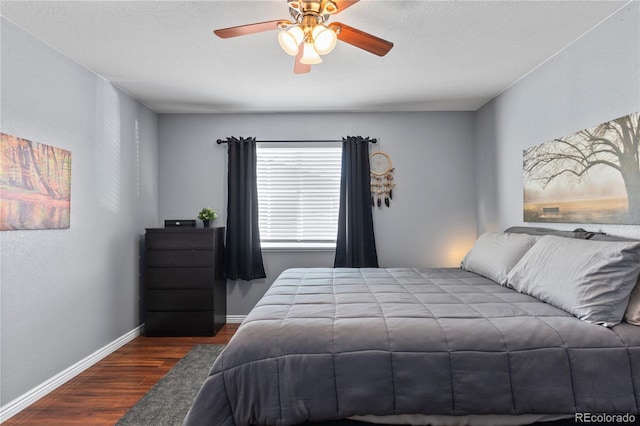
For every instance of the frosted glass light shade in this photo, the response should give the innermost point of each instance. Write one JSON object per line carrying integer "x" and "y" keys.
{"x": 324, "y": 39}
{"x": 309, "y": 55}
{"x": 290, "y": 40}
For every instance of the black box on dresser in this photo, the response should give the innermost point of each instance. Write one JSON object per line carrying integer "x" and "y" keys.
{"x": 185, "y": 288}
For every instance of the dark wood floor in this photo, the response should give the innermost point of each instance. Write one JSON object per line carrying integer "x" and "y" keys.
{"x": 103, "y": 393}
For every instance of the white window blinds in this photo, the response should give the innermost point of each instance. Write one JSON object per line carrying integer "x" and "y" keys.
{"x": 298, "y": 194}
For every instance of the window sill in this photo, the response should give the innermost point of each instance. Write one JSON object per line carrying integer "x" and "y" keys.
{"x": 289, "y": 246}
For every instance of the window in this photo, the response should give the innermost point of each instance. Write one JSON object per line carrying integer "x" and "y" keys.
{"x": 298, "y": 194}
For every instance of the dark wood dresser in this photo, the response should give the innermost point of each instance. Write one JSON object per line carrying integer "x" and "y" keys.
{"x": 185, "y": 288}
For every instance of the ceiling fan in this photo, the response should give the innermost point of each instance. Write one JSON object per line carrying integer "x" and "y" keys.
{"x": 308, "y": 35}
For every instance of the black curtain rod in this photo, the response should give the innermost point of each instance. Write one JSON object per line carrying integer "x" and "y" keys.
{"x": 219, "y": 141}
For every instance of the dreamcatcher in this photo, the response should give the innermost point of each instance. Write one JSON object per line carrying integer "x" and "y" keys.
{"x": 381, "y": 178}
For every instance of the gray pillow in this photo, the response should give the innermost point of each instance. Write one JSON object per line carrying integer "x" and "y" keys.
{"x": 495, "y": 253}
{"x": 577, "y": 233}
{"x": 589, "y": 279}
{"x": 632, "y": 314}
{"x": 606, "y": 237}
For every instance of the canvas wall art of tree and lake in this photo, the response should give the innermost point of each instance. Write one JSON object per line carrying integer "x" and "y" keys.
{"x": 35, "y": 185}
{"x": 591, "y": 176}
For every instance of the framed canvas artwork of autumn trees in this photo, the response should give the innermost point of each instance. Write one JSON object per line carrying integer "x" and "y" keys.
{"x": 35, "y": 185}
{"x": 591, "y": 176}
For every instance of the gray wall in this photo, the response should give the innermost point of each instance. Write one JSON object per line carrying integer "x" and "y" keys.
{"x": 67, "y": 293}
{"x": 594, "y": 80}
{"x": 431, "y": 221}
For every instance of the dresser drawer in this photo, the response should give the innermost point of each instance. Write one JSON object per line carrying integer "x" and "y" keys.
{"x": 180, "y": 277}
{"x": 179, "y": 300}
{"x": 179, "y": 323}
{"x": 175, "y": 258}
{"x": 197, "y": 238}
{"x": 185, "y": 292}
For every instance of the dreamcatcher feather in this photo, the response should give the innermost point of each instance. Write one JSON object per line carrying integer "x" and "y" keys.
{"x": 381, "y": 179}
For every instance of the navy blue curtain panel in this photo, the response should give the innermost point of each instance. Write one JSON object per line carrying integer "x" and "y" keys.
{"x": 243, "y": 254}
{"x": 356, "y": 244}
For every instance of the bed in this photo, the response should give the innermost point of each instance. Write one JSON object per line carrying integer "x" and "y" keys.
{"x": 426, "y": 346}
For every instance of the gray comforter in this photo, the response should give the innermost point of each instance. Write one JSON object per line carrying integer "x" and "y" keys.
{"x": 332, "y": 343}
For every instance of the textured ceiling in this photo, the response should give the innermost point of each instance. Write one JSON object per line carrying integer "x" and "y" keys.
{"x": 448, "y": 55}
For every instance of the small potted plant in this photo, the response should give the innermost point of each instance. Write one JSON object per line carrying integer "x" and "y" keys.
{"x": 207, "y": 215}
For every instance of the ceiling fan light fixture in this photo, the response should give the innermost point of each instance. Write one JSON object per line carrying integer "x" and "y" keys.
{"x": 290, "y": 39}
{"x": 309, "y": 55}
{"x": 324, "y": 39}
{"x": 307, "y": 34}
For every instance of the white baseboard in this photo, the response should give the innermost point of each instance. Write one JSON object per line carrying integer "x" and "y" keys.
{"x": 23, "y": 401}
{"x": 235, "y": 319}
{"x": 20, "y": 403}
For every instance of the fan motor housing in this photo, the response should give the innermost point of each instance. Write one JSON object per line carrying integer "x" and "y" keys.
{"x": 301, "y": 10}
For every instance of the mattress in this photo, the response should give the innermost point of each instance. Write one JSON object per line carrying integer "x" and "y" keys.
{"x": 327, "y": 344}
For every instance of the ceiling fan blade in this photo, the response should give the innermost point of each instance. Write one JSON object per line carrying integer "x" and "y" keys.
{"x": 343, "y": 4}
{"x": 258, "y": 27}
{"x": 358, "y": 38}
{"x": 299, "y": 67}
